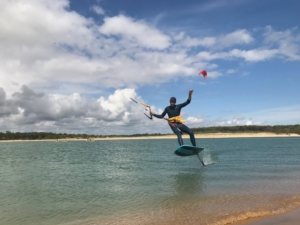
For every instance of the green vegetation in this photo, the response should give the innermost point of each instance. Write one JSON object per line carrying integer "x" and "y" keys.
{"x": 278, "y": 129}
{"x": 49, "y": 135}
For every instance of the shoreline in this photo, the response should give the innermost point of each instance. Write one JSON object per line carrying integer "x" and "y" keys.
{"x": 286, "y": 218}
{"x": 168, "y": 136}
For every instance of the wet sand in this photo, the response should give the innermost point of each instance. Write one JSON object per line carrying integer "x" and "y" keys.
{"x": 289, "y": 218}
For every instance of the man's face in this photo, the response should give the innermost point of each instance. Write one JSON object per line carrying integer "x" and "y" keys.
{"x": 172, "y": 103}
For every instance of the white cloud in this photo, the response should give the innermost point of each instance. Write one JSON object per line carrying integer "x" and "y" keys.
{"x": 194, "y": 120}
{"x": 31, "y": 58}
{"x": 254, "y": 55}
{"x": 208, "y": 56}
{"x": 87, "y": 58}
{"x": 249, "y": 122}
{"x": 248, "y": 55}
{"x": 97, "y": 9}
{"x": 28, "y": 31}
{"x": 239, "y": 120}
{"x": 238, "y": 37}
{"x": 136, "y": 31}
{"x": 117, "y": 114}
{"x": 288, "y": 42}
{"x": 206, "y": 41}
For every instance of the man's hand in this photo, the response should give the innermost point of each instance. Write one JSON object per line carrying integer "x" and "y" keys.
{"x": 191, "y": 92}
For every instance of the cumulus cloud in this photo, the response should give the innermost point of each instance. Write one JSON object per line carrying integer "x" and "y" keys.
{"x": 61, "y": 54}
{"x": 39, "y": 111}
{"x": 54, "y": 46}
{"x": 28, "y": 110}
{"x": 97, "y": 9}
{"x": 137, "y": 31}
{"x": 6, "y": 106}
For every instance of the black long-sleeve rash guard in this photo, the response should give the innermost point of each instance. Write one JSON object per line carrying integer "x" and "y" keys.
{"x": 172, "y": 111}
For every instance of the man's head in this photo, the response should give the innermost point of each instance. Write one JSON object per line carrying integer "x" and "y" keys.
{"x": 172, "y": 101}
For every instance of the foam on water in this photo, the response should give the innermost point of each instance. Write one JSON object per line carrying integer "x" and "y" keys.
{"x": 208, "y": 158}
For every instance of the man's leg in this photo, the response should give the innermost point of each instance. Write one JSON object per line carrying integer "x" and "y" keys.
{"x": 187, "y": 130}
{"x": 178, "y": 133}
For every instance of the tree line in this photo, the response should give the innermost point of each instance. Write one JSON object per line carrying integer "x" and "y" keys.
{"x": 49, "y": 135}
{"x": 277, "y": 129}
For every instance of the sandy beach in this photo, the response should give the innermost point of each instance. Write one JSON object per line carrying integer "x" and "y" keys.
{"x": 171, "y": 136}
{"x": 209, "y": 135}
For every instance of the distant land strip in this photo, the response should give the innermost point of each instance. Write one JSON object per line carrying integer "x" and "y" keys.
{"x": 276, "y": 129}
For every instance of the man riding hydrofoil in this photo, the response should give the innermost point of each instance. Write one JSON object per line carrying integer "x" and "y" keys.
{"x": 175, "y": 121}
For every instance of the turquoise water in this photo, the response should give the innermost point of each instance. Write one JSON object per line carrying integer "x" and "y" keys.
{"x": 144, "y": 182}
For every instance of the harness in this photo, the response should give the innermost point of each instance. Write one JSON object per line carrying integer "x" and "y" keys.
{"x": 175, "y": 122}
{"x": 176, "y": 119}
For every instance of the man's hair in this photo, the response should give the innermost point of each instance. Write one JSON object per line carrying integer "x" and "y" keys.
{"x": 173, "y": 99}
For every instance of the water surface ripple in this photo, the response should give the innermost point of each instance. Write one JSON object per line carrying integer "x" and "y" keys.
{"x": 144, "y": 182}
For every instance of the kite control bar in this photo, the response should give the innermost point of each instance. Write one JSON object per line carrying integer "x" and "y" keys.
{"x": 147, "y": 109}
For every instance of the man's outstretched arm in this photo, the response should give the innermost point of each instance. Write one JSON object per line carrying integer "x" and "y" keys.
{"x": 159, "y": 116}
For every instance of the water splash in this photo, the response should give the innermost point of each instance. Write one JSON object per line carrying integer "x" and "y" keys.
{"x": 208, "y": 158}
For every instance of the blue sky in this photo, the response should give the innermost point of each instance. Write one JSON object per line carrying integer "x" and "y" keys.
{"x": 70, "y": 66}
